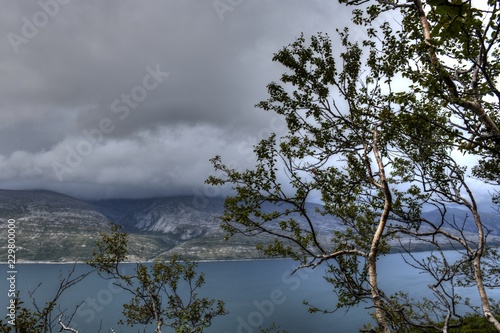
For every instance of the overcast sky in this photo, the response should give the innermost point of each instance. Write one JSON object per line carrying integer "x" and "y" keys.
{"x": 130, "y": 98}
{"x": 125, "y": 98}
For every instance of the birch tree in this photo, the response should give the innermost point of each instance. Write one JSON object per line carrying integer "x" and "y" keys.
{"x": 449, "y": 51}
{"x": 373, "y": 130}
{"x": 338, "y": 148}
{"x": 165, "y": 294}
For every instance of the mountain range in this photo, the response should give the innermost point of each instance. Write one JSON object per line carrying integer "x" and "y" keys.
{"x": 54, "y": 227}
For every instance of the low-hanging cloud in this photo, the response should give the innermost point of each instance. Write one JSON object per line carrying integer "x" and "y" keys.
{"x": 128, "y": 98}
{"x": 170, "y": 161}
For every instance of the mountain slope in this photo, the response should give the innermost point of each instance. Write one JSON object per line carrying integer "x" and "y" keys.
{"x": 49, "y": 225}
{"x": 461, "y": 219}
{"x": 56, "y": 227}
{"x": 177, "y": 217}
{"x": 193, "y": 226}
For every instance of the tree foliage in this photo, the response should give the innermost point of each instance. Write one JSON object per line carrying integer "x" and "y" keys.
{"x": 46, "y": 317}
{"x": 163, "y": 293}
{"x": 376, "y": 131}
{"x": 323, "y": 133}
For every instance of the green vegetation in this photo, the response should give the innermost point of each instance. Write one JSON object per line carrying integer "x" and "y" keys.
{"x": 470, "y": 323}
{"x": 38, "y": 317}
{"x": 474, "y": 323}
{"x": 379, "y": 130}
{"x": 158, "y": 291}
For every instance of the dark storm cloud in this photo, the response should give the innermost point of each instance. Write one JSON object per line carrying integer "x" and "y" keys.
{"x": 89, "y": 109}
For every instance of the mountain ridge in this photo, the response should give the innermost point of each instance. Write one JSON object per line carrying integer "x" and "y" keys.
{"x": 58, "y": 227}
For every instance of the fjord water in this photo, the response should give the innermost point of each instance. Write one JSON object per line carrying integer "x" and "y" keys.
{"x": 256, "y": 293}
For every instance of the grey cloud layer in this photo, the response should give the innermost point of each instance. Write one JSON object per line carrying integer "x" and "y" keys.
{"x": 85, "y": 70}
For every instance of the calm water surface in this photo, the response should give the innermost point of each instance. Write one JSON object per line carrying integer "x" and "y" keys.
{"x": 256, "y": 293}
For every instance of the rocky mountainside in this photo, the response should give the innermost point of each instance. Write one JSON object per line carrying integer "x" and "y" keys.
{"x": 182, "y": 218}
{"x": 56, "y": 227}
{"x": 178, "y": 217}
{"x": 44, "y": 206}
{"x": 50, "y": 225}
{"x": 191, "y": 227}
{"x": 461, "y": 219}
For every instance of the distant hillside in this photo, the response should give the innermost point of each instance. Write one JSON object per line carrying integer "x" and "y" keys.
{"x": 50, "y": 226}
{"x": 193, "y": 227}
{"x": 177, "y": 217}
{"x": 56, "y": 227}
{"x": 460, "y": 218}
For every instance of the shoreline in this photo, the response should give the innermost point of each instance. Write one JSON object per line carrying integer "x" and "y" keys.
{"x": 394, "y": 250}
{"x": 141, "y": 262}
